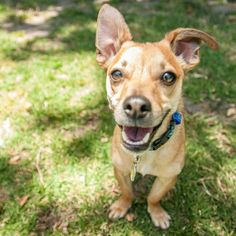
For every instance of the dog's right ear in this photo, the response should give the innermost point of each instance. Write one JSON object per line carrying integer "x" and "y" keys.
{"x": 112, "y": 32}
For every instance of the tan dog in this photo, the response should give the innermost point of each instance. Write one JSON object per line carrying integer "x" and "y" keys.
{"x": 144, "y": 89}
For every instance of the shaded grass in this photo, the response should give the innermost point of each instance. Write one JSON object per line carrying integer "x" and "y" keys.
{"x": 67, "y": 135}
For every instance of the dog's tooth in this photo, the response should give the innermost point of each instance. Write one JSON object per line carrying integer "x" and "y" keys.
{"x": 141, "y": 142}
{"x": 124, "y": 136}
{"x": 131, "y": 142}
{"x": 146, "y": 138}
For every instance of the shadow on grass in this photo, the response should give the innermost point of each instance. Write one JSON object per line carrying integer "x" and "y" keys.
{"x": 70, "y": 27}
{"x": 83, "y": 128}
{"x": 15, "y": 182}
{"x": 11, "y": 175}
{"x": 80, "y": 15}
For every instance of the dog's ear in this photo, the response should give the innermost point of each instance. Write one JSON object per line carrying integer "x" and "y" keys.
{"x": 112, "y": 32}
{"x": 185, "y": 43}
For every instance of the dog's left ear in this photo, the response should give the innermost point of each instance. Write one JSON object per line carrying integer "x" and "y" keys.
{"x": 185, "y": 43}
{"x": 112, "y": 32}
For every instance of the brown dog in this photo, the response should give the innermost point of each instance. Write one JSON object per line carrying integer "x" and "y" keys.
{"x": 144, "y": 90}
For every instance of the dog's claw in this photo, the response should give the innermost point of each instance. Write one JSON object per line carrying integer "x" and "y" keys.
{"x": 160, "y": 217}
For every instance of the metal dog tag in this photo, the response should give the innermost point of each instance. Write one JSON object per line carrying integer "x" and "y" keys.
{"x": 134, "y": 169}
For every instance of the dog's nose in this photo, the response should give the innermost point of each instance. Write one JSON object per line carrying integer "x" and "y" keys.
{"x": 137, "y": 107}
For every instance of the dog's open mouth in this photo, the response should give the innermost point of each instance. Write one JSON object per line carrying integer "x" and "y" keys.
{"x": 137, "y": 138}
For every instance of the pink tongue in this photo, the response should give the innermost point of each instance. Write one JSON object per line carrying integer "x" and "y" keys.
{"x": 136, "y": 134}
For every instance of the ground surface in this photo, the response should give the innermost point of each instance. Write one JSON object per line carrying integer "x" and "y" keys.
{"x": 55, "y": 127}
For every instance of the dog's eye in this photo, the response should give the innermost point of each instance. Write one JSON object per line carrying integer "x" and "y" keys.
{"x": 168, "y": 78}
{"x": 116, "y": 75}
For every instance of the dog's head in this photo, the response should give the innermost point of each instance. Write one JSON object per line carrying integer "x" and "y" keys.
{"x": 144, "y": 80}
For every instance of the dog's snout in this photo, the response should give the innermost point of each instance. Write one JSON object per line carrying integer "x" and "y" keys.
{"x": 137, "y": 107}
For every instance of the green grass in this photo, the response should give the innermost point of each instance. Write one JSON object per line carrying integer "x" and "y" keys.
{"x": 53, "y": 93}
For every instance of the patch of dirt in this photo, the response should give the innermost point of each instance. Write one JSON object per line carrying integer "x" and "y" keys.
{"x": 36, "y": 22}
{"x": 50, "y": 220}
{"x": 223, "y": 8}
{"x": 47, "y": 220}
{"x": 223, "y": 142}
{"x": 224, "y": 111}
{"x": 33, "y": 26}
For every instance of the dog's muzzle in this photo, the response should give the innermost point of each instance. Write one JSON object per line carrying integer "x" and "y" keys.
{"x": 138, "y": 137}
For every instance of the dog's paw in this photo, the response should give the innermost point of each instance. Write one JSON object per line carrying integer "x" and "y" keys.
{"x": 119, "y": 209}
{"x": 159, "y": 217}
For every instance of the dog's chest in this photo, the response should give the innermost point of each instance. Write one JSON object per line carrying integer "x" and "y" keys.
{"x": 158, "y": 164}
{"x": 147, "y": 164}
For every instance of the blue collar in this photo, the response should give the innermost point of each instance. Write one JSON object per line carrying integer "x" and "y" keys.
{"x": 175, "y": 120}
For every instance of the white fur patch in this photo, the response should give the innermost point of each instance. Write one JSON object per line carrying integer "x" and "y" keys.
{"x": 131, "y": 56}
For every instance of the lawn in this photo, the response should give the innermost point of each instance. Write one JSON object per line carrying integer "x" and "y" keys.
{"x": 56, "y": 175}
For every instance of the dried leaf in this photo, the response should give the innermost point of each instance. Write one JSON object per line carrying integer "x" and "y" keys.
{"x": 23, "y": 200}
{"x": 17, "y": 157}
{"x": 14, "y": 160}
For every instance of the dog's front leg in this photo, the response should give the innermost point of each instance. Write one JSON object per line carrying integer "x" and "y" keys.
{"x": 160, "y": 187}
{"x": 120, "y": 207}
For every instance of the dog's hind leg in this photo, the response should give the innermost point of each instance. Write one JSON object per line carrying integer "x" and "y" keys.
{"x": 160, "y": 187}
{"x": 120, "y": 207}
